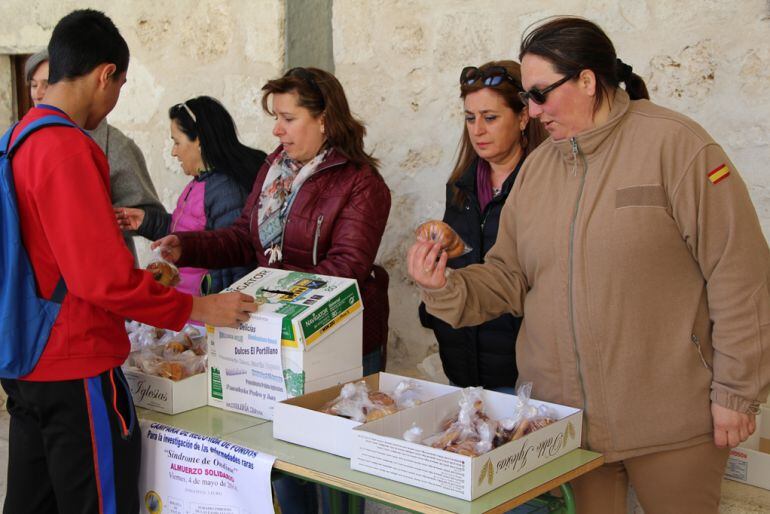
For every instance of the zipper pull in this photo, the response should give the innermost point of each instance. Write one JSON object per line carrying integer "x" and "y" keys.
{"x": 319, "y": 222}
{"x": 575, "y": 152}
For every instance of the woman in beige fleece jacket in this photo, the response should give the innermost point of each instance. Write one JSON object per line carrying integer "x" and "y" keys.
{"x": 630, "y": 245}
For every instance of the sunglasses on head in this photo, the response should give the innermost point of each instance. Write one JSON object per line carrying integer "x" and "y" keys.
{"x": 492, "y": 76}
{"x": 539, "y": 95}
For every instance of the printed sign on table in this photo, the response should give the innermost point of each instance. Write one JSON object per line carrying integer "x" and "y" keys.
{"x": 187, "y": 473}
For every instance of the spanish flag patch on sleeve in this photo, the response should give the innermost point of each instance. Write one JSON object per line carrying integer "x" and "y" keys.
{"x": 719, "y": 173}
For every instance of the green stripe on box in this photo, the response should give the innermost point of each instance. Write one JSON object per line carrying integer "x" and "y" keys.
{"x": 290, "y": 311}
{"x": 216, "y": 384}
{"x": 331, "y": 309}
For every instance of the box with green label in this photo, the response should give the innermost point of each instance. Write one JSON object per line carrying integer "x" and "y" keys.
{"x": 306, "y": 335}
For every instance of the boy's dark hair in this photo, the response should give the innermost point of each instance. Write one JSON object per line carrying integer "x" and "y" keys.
{"x": 83, "y": 40}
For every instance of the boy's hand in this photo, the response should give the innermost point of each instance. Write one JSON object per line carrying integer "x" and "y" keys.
{"x": 224, "y": 309}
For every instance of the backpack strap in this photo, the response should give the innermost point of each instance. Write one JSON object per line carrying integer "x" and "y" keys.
{"x": 6, "y": 139}
{"x": 45, "y": 121}
{"x": 7, "y": 149}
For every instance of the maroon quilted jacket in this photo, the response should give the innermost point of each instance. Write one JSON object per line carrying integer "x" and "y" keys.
{"x": 334, "y": 227}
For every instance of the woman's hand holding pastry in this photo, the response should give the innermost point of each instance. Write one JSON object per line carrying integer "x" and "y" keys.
{"x": 426, "y": 264}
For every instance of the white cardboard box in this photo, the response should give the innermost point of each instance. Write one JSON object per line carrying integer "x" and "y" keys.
{"x": 379, "y": 448}
{"x": 749, "y": 466}
{"x": 165, "y": 395}
{"x": 752, "y": 465}
{"x": 321, "y": 335}
{"x": 333, "y": 434}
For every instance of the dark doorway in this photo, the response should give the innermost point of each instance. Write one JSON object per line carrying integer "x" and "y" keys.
{"x": 23, "y": 100}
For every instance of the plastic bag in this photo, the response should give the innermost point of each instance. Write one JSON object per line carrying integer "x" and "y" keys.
{"x": 440, "y": 232}
{"x": 165, "y": 353}
{"x": 405, "y": 394}
{"x": 526, "y": 418}
{"x": 356, "y": 402}
{"x": 162, "y": 270}
{"x": 469, "y": 431}
{"x": 351, "y": 402}
{"x": 413, "y": 434}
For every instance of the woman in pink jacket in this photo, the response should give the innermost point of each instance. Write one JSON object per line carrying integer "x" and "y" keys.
{"x": 222, "y": 169}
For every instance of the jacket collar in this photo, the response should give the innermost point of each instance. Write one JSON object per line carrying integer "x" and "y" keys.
{"x": 467, "y": 181}
{"x": 590, "y": 141}
{"x": 333, "y": 158}
{"x": 203, "y": 175}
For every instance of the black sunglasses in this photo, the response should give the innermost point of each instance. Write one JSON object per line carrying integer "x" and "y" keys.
{"x": 305, "y": 75}
{"x": 539, "y": 95}
{"x": 492, "y": 76}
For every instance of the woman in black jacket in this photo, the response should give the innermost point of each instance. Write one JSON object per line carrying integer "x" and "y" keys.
{"x": 498, "y": 135}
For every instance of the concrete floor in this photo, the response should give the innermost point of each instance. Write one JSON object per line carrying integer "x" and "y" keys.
{"x": 736, "y": 498}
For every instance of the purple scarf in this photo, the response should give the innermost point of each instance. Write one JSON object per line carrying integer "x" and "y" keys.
{"x": 483, "y": 184}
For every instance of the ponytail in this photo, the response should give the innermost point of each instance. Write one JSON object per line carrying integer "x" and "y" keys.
{"x": 635, "y": 86}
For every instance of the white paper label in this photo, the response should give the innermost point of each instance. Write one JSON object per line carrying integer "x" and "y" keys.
{"x": 250, "y": 367}
{"x": 187, "y": 473}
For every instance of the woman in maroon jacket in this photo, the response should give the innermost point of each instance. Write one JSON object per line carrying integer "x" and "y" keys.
{"x": 318, "y": 205}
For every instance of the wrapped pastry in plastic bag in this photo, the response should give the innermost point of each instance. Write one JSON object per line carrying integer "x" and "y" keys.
{"x": 351, "y": 402}
{"x": 469, "y": 431}
{"x": 405, "y": 394}
{"x": 356, "y": 402}
{"x": 526, "y": 418}
{"x": 440, "y": 232}
{"x": 165, "y": 353}
{"x": 162, "y": 270}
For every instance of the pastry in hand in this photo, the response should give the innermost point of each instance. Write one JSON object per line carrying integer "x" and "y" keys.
{"x": 163, "y": 272}
{"x": 435, "y": 230}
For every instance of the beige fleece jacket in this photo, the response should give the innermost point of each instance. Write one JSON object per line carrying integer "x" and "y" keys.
{"x": 643, "y": 282}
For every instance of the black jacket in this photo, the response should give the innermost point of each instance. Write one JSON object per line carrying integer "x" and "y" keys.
{"x": 482, "y": 355}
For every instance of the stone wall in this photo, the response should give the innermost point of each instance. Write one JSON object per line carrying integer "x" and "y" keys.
{"x": 179, "y": 49}
{"x": 6, "y": 93}
{"x": 400, "y": 62}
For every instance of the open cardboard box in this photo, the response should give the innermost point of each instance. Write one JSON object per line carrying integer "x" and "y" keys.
{"x": 292, "y": 418}
{"x": 379, "y": 447}
{"x": 165, "y": 395}
{"x": 751, "y": 465}
{"x": 320, "y": 340}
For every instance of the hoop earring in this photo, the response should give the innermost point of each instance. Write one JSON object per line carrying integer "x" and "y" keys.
{"x": 524, "y": 139}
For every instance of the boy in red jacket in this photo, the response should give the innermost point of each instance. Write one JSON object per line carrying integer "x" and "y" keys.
{"x": 74, "y": 441}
